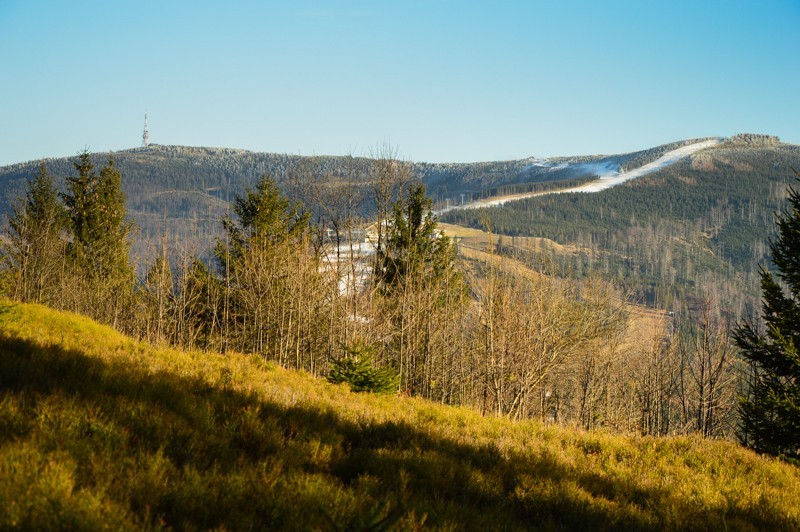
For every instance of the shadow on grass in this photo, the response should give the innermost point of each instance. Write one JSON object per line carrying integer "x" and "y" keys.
{"x": 177, "y": 451}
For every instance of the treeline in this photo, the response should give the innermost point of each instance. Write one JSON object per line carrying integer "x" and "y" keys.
{"x": 296, "y": 284}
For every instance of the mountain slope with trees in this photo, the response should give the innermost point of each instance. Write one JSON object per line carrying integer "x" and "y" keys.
{"x": 454, "y": 327}
{"x": 287, "y": 279}
{"x": 522, "y": 354}
{"x": 699, "y": 225}
{"x": 183, "y": 191}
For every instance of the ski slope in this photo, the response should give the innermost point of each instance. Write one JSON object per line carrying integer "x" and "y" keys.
{"x": 600, "y": 184}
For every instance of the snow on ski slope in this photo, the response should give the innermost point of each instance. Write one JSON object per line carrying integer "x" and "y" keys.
{"x": 665, "y": 160}
{"x": 603, "y": 183}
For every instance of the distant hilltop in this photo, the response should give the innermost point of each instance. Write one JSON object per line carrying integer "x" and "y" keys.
{"x": 752, "y": 139}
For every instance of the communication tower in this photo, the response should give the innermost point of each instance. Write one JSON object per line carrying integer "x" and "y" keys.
{"x": 146, "y": 134}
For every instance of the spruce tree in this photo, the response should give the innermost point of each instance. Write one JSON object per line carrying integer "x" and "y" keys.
{"x": 100, "y": 249}
{"x": 421, "y": 288}
{"x": 258, "y": 260}
{"x": 771, "y": 412}
{"x": 265, "y": 218}
{"x": 357, "y": 369}
{"x": 414, "y": 247}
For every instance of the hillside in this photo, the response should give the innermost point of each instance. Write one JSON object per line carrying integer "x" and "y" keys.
{"x": 474, "y": 245}
{"x": 699, "y": 225}
{"x": 157, "y": 172}
{"x": 98, "y": 430}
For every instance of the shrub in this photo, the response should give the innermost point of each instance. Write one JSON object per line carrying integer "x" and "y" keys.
{"x": 357, "y": 369}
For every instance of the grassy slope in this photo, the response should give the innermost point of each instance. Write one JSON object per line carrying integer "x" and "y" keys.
{"x": 643, "y": 323}
{"x": 97, "y": 429}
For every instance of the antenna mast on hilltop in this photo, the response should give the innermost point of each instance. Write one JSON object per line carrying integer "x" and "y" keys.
{"x": 146, "y": 134}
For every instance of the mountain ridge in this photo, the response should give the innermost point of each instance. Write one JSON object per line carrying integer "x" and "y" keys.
{"x": 11, "y": 170}
{"x": 232, "y": 169}
{"x": 223, "y": 150}
{"x": 191, "y": 186}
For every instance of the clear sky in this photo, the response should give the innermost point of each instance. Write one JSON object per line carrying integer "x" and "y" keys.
{"x": 438, "y": 80}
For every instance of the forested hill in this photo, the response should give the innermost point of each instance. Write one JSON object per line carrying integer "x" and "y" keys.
{"x": 709, "y": 213}
{"x": 196, "y": 182}
{"x": 699, "y": 225}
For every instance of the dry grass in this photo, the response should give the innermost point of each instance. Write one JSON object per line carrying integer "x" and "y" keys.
{"x": 481, "y": 240}
{"x": 97, "y": 430}
{"x": 643, "y": 323}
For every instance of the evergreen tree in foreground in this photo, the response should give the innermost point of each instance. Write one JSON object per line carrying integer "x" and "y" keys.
{"x": 771, "y": 413}
{"x": 100, "y": 248}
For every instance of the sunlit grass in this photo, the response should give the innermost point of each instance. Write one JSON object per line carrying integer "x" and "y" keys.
{"x": 97, "y": 430}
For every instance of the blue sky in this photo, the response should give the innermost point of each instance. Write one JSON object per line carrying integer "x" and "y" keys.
{"x": 438, "y": 80}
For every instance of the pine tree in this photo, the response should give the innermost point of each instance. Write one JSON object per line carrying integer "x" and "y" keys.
{"x": 265, "y": 217}
{"x": 771, "y": 413}
{"x": 422, "y": 290}
{"x": 35, "y": 246}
